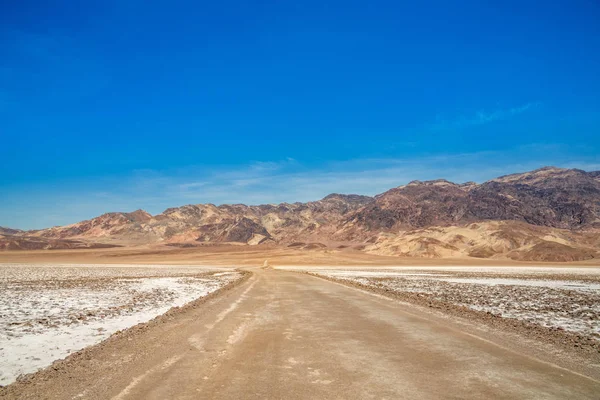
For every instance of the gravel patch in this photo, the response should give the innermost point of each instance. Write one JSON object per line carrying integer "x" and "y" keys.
{"x": 558, "y": 301}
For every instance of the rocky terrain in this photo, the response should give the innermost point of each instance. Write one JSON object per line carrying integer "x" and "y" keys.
{"x": 553, "y": 197}
{"x": 550, "y": 214}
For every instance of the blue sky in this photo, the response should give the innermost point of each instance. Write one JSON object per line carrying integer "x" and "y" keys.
{"x": 119, "y": 105}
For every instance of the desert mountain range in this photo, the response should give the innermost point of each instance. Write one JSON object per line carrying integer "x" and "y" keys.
{"x": 550, "y": 214}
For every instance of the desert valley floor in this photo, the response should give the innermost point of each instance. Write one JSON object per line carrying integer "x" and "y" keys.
{"x": 306, "y": 325}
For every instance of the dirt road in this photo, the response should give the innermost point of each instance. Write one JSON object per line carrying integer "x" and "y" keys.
{"x": 285, "y": 335}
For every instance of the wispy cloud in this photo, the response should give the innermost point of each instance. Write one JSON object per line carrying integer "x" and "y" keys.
{"x": 285, "y": 182}
{"x": 272, "y": 165}
{"x": 267, "y": 182}
{"x": 481, "y": 117}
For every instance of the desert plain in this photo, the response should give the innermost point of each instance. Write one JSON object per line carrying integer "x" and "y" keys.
{"x": 229, "y": 321}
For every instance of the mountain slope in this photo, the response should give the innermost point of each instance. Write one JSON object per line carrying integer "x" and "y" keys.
{"x": 549, "y": 213}
{"x": 14, "y": 242}
{"x": 554, "y": 197}
{"x": 210, "y": 223}
{"x": 490, "y": 239}
{"x": 9, "y": 231}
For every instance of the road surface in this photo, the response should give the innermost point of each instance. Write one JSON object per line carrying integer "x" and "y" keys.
{"x": 286, "y": 335}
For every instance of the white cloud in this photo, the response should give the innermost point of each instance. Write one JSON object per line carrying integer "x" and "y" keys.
{"x": 480, "y": 117}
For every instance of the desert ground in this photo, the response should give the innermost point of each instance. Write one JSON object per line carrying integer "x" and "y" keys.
{"x": 308, "y": 324}
{"x": 51, "y": 310}
{"x": 228, "y": 254}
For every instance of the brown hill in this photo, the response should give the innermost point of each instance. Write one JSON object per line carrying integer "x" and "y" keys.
{"x": 546, "y": 214}
{"x": 12, "y": 242}
{"x": 490, "y": 239}
{"x": 104, "y": 225}
{"x": 9, "y": 231}
{"x": 209, "y": 223}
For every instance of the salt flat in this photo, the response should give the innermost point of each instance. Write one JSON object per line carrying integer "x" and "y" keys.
{"x": 429, "y": 269}
{"x": 50, "y": 311}
{"x": 563, "y": 298}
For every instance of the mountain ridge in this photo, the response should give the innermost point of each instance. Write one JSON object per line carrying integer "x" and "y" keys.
{"x": 546, "y": 199}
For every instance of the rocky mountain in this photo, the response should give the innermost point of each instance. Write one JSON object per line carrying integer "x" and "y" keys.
{"x": 15, "y": 242}
{"x": 9, "y": 231}
{"x": 240, "y": 223}
{"x": 554, "y": 197}
{"x": 110, "y": 223}
{"x": 550, "y": 213}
